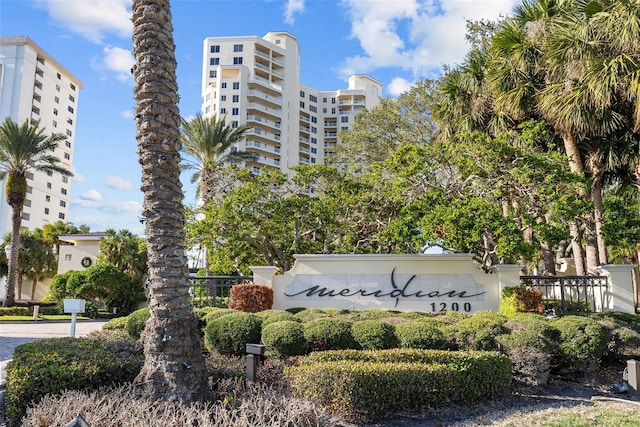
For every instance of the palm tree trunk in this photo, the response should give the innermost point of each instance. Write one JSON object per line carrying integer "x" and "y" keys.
{"x": 10, "y": 294}
{"x": 598, "y": 204}
{"x": 174, "y": 366}
{"x": 576, "y": 248}
{"x": 34, "y": 285}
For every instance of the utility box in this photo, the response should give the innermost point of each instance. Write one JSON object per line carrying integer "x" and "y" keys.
{"x": 633, "y": 377}
{"x": 74, "y": 305}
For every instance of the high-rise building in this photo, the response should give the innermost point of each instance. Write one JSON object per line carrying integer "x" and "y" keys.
{"x": 36, "y": 87}
{"x": 256, "y": 81}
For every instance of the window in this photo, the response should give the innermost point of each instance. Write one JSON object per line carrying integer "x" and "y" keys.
{"x": 223, "y": 85}
{"x": 70, "y": 121}
{"x": 67, "y": 144}
{"x": 58, "y": 75}
{"x": 49, "y": 185}
{"x": 215, "y": 48}
{"x": 55, "y": 111}
{"x": 57, "y": 88}
{"x": 234, "y": 111}
{"x": 213, "y": 74}
{"x": 237, "y": 48}
{"x": 344, "y": 119}
{"x": 333, "y": 100}
{"x": 313, "y": 108}
{"x": 236, "y": 98}
{"x": 49, "y": 173}
{"x": 68, "y": 132}
{"x": 56, "y": 100}
{"x": 70, "y": 109}
{"x": 236, "y": 85}
{"x": 344, "y": 128}
{"x": 72, "y": 86}
{"x": 46, "y": 211}
{"x": 313, "y": 98}
{"x": 63, "y": 191}
{"x": 65, "y": 179}
{"x": 324, "y": 99}
{"x": 301, "y": 104}
{"x": 67, "y": 257}
{"x": 314, "y": 150}
{"x": 67, "y": 156}
{"x": 223, "y": 111}
{"x": 314, "y": 129}
{"x": 234, "y": 124}
{"x": 324, "y": 111}
{"x": 237, "y": 60}
{"x": 333, "y": 111}
{"x": 314, "y": 119}
{"x": 214, "y": 61}
{"x": 54, "y": 124}
{"x": 313, "y": 160}
{"x": 314, "y": 140}
{"x": 301, "y": 94}
{"x": 47, "y": 198}
{"x": 223, "y": 97}
{"x": 63, "y": 203}
{"x": 61, "y": 215}
{"x": 72, "y": 98}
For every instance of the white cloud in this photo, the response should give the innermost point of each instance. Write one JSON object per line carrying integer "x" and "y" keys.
{"x": 293, "y": 7}
{"x": 398, "y": 86}
{"x": 416, "y": 35}
{"x": 122, "y": 207}
{"x": 91, "y": 196}
{"x": 118, "y": 183}
{"x": 79, "y": 178}
{"x": 127, "y": 114}
{"x": 92, "y": 19}
{"x": 119, "y": 60}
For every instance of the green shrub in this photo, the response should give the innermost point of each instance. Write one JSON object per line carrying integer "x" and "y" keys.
{"x": 628, "y": 320}
{"x": 479, "y": 331}
{"x": 582, "y": 342}
{"x": 136, "y": 322}
{"x": 309, "y": 314}
{"x": 374, "y": 334}
{"x": 50, "y": 366}
{"x": 217, "y": 313}
{"x": 328, "y": 334}
{"x": 117, "y": 323}
{"x": 229, "y": 334}
{"x": 52, "y": 309}
{"x": 422, "y": 335}
{"x": 14, "y": 311}
{"x": 284, "y": 338}
{"x": 372, "y": 314}
{"x": 370, "y": 384}
{"x": 278, "y": 316}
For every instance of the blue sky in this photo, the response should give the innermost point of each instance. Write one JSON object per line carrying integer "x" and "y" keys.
{"x": 395, "y": 41}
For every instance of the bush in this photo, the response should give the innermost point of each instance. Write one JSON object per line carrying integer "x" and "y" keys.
{"x": 50, "y": 366}
{"x": 229, "y": 334}
{"x": 582, "y": 342}
{"x": 369, "y": 384}
{"x": 216, "y": 313}
{"x": 14, "y": 311}
{"x": 422, "y": 335}
{"x": 117, "y": 323}
{"x": 136, "y": 322}
{"x": 328, "y": 334}
{"x": 284, "y": 338}
{"x": 278, "y": 316}
{"x": 309, "y": 314}
{"x": 251, "y": 297}
{"x": 374, "y": 334}
{"x": 479, "y": 331}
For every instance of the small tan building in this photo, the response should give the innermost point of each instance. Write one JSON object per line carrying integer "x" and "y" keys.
{"x": 79, "y": 251}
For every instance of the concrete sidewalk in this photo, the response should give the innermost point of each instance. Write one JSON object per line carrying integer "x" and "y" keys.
{"x": 12, "y": 334}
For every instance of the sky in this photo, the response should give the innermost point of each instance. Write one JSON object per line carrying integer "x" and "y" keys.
{"x": 397, "y": 42}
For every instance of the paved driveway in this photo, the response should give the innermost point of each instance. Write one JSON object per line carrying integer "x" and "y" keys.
{"x": 13, "y": 334}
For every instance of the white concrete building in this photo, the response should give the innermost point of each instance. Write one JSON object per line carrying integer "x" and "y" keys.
{"x": 256, "y": 81}
{"x": 34, "y": 86}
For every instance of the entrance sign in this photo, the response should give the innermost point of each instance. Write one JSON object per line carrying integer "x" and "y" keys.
{"x": 427, "y": 283}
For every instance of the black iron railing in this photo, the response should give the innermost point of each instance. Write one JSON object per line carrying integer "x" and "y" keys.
{"x": 570, "y": 294}
{"x": 213, "y": 291}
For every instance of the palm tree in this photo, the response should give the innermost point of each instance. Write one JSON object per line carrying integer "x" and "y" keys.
{"x": 210, "y": 142}
{"x": 23, "y": 148}
{"x": 174, "y": 366}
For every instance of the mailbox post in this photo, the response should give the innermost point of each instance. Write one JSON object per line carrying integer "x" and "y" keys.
{"x": 73, "y": 306}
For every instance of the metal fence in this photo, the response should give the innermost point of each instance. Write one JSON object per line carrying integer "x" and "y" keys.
{"x": 570, "y": 294}
{"x": 213, "y": 291}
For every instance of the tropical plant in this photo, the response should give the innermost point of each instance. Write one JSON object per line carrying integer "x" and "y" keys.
{"x": 23, "y": 148}
{"x": 174, "y": 366}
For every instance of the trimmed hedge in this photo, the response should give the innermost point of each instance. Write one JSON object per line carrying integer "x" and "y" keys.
{"x": 284, "y": 338}
{"x": 422, "y": 335}
{"x": 136, "y": 322}
{"x": 328, "y": 334}
{"x": 374, "y": 334}
{"x": 230, "y": 333}
{"x": 371, "y": 384}
{"x": 50, "y": 366}
{"x": 582, "y": 342}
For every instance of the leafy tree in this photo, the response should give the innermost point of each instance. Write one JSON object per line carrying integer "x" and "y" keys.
{"x": 23, "y": 148}
{"x": 174, "y": 365}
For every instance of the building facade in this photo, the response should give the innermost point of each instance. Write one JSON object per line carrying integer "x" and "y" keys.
{"x": 35, "y": 87}
{"x": 256, "y": 81}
